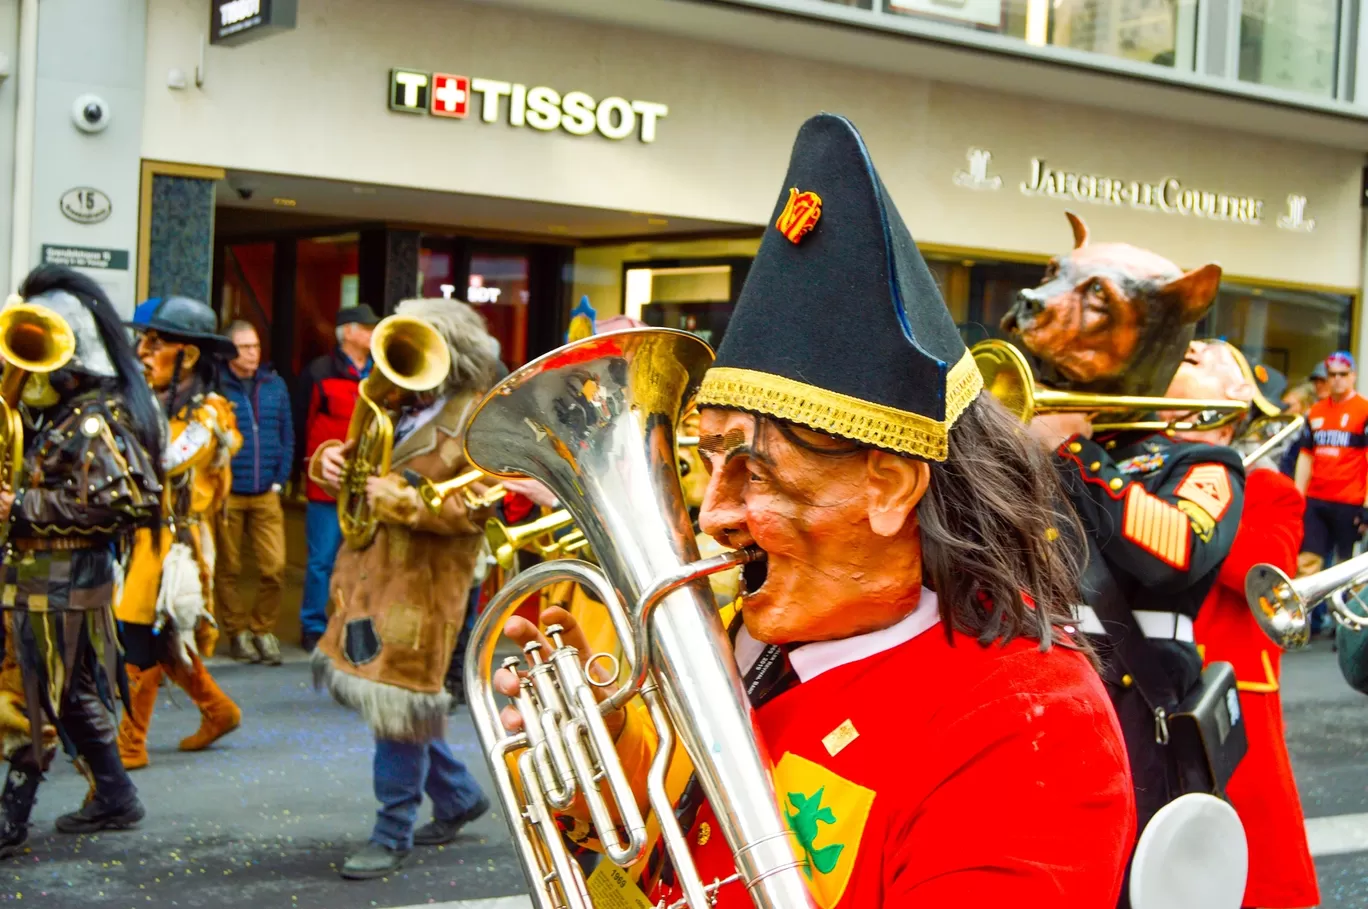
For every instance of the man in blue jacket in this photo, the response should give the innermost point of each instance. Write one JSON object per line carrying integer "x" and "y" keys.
{"x": 260, "y": 469}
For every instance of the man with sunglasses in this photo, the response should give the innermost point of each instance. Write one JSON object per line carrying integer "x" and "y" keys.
{"x": 1332, "y": 471}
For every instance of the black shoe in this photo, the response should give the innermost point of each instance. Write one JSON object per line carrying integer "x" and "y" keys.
{"x": 308, "y": 641}
{"x": 373, "y": 861}
{"x": 12, "y": 839}
{"x": 439, "y": 833}
{"x": 94, "y": 817}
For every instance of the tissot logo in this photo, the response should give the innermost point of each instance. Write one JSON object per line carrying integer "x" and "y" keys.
{"x": 540, "y": 107}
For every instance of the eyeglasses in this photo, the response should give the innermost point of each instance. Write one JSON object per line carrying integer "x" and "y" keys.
{"x": 1339, "y": 375}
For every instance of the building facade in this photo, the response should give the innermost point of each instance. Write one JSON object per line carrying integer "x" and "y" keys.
{"x": 530, "y": 154}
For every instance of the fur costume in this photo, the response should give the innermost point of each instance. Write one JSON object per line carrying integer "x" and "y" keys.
{"x": 398, "y": 605}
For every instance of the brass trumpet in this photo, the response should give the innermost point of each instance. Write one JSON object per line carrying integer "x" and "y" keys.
{"x": 434, "y": 494}
{"x": 34, "y": 340}
{"x": 409, "y": 356}
{"x": 1282, "y": 606}
{"x": 505, "y": 542}
{"x": 1007, "y": 376}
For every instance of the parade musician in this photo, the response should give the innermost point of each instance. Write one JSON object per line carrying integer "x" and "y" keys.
{"x": 940, "y": 738}
{"x": 1159, "y": 513}
{"x": 1263, "y": 788}
{"x": 90, "y": 478}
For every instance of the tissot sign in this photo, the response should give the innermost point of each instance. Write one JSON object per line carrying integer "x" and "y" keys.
{"x": 539, "y": 106}
{"x": 240, "y": 21}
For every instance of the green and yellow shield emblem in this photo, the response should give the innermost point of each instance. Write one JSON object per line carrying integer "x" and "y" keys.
{"x": 827, "y": 814}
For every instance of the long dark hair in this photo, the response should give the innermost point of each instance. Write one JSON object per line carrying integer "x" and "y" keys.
{"x": 996, "y": 527}
{"x": 142, "y": 406}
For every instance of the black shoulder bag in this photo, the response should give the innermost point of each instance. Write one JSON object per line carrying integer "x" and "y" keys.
{"x": 1206, "y": 731}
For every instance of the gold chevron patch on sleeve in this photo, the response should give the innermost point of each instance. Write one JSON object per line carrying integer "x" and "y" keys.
{"x": 1156, "y": 527}
{"x": 1208, "y": 487}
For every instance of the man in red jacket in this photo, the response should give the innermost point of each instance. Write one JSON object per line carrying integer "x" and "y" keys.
{"x": 940, "y": 738}
{"x": 327, "y": 394}
{"x": 1263, "y": 789}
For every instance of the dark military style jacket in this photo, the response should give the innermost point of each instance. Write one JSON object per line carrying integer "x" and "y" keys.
{"x": 86, "y": 483}
{"x": 1162, "y": 512}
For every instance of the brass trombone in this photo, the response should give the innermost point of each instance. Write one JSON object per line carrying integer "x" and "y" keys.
{"x": 1007, "y": 376}
{"x": 409, "y": 356}
{"x": 1291, "y": 425}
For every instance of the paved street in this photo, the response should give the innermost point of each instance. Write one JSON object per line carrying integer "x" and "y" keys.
{"x": 264, "y": 819}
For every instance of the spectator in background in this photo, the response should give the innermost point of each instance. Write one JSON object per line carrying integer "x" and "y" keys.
{"x": 327, "y": 395}
{"x": 1297, "y": 401}
{"x": 261, "y": 468}
{"x": 1320, "y": 381}
{"x": 1299, "y": 398}
{"x": 1332, "y": 472}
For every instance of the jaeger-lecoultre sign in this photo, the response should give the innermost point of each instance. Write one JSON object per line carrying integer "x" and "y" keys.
{"x": 1168, "y": 195}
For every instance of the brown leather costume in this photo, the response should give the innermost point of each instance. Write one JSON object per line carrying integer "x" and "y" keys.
{"x": 398, "y": 605}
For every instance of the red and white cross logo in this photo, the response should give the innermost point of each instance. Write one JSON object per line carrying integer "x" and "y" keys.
{"x": 450, "y": 95}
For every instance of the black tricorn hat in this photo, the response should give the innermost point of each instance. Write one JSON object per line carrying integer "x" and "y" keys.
{"x": 840, "y": 326}
{"x": 184, "y": 319}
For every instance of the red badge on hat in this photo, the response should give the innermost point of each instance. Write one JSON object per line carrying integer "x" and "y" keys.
{"x": 800, "y": 214}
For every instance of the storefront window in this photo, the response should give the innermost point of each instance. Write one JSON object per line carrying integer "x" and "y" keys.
{"x": 1291, "y": 44}
{"x": 498, "y": 288}
{"x": 325, "y": 281}
{"x": 248, "y": 276}
{"x": 1145, "y": 31}
{"x": 694, "y": 297}
{"x": 1290, "y": 330}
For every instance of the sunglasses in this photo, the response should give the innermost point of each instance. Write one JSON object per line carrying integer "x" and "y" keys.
{"x": 1339, "y": 375}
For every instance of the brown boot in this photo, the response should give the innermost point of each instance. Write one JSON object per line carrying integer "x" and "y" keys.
{"x": 218, "y": 714}
{"x": 142, "y": 700}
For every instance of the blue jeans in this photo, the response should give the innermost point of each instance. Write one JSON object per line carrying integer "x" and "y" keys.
{"x": 403, "y": 772}
{"x": 324, "y": 537}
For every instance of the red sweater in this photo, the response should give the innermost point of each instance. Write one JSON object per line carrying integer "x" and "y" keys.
{"x": 1263, "y": 789}
{"x": 961, "y": 776}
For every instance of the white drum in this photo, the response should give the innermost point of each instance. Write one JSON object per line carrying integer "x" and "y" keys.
{"x": 1192, "y": 855}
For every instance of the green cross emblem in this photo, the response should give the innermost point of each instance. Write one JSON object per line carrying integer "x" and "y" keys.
{"x": 808, "y": 813}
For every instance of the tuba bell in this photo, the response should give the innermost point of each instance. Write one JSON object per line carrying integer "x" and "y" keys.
{"x": 408, "y": 356}
{"x": 1282, "y": 606}
{"x": 1007, "y": 376}
{"x": 34, "y": 341}
{"x": 595, "y": 422}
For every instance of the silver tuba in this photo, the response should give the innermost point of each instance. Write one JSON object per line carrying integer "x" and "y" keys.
{"x": 595, "y": 421}
{"x": 1282, "y": 606}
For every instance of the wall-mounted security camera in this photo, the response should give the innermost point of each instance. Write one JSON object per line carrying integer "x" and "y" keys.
{"x": 90, "y": 113}
{"x": 245, "y": 192}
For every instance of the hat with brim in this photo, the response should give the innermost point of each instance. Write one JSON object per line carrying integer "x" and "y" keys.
{"x": 186, "y": 321}
{"x": 1269, "y": 384}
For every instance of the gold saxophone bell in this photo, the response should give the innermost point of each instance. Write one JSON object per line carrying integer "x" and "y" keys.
{"x": 1007, "y": 377}
{"x": 34, "y": 341}
{"x": 408, "y": 356}
{"x": 1282, "y": 606}
{"x": 506, "y": 542}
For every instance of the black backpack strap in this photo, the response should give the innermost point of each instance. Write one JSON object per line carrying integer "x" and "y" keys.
{"x": 1128, "y": 643}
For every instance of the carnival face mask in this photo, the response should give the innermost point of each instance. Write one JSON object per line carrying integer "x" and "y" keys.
{"x": 1209, "y": 372}
{"x": 1110, "y": 317}
{"x": 835, "y": 521}
{"x": 158, "y": 355}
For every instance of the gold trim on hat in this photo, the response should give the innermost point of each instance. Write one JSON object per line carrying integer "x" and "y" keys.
{"x": 841, "y": 415}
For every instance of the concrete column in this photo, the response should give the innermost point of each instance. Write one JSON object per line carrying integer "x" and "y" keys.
{"x": 87, "y": 140}
{"x": 1359, "y": 340}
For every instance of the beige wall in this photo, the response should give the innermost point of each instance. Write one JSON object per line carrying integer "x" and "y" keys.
{"x": 312, "y": 102}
